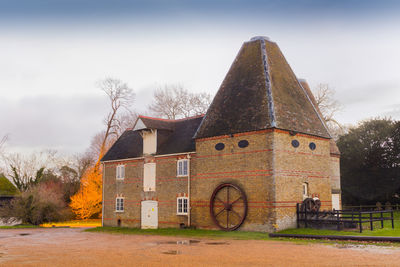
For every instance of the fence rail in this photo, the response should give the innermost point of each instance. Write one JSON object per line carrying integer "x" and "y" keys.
{"x": 342, "y": 218}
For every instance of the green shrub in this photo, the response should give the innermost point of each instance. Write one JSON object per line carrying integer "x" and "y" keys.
{"x": 39, "y": 204}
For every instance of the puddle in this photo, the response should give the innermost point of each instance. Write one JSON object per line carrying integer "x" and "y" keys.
{"x": 217, "y": 243}
{"x": 367, "y": 248}
{"x": 179, "y": 242}
{"x": 171, "y": 252}
{"x": 22, "y": 234}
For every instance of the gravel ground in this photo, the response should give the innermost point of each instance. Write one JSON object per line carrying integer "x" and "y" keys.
{"x": 72, "y": 247}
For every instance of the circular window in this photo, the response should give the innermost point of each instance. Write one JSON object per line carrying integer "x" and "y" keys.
{"x": 243, "y": 143}
{"x": 219, "y": 146}
{"x": 312, "y": 146}
{"x": 295, "y": 143}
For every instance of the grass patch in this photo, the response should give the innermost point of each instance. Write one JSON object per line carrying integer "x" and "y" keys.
{"x": 74, "y": 223}
{"x": 20, "y": 226}
{"x": 198, "y": 233}
{"x": 378, "y": 231}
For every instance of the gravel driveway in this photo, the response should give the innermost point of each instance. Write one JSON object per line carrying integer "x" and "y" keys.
{"x": 72, "y": 247}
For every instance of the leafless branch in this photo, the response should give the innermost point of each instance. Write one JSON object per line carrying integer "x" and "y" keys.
{"x": 173, "y": 102}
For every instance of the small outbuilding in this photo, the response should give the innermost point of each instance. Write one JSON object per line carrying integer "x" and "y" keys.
{"x": 7, "y": 190}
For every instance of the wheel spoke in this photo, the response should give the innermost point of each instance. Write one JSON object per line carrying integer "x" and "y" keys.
{"x": 227, "y": 219}
{"x": 219, "y": 212}
{"x": 217, "y": 198}
{"x": 236, "y": 200}
{"x": 227, "y": 195}
{"x": 237, "y": 214}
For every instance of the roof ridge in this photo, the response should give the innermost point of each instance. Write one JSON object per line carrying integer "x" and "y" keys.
{"x": 271, "y": 108}
{"x": 171, "y": 120}
{"x": 154, "y": 118}
{"x": 315, "y": 109}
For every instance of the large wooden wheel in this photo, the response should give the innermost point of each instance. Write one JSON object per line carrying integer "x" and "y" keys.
{"x": 228, "y": 206}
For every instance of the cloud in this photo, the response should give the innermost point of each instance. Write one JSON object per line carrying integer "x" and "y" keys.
{"x": 49, "y": 121}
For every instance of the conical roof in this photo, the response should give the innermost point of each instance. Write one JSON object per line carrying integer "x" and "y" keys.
{"x": 260, "y": 91}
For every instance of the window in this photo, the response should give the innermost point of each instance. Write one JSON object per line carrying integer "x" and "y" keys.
{"x": 120, "y": 172}
{"x": 182, "y": 167}
{"x": 119, "y": 204}
{"x": 182, "y": 205}
{"x": 305, "y": 190}
{"x": 295, "y": 143}
{"x": 149, "y": 177}
{"x": 243, "y": 143}
{"x": 312, "y": 146}
{"x": 219, "y": 146}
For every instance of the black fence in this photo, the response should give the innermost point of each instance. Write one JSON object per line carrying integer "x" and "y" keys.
{"x": 341, "y": 219}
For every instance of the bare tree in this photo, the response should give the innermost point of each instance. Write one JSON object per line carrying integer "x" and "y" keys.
{"x": 3, "y": 141}
{"x": 328, "y": 107}
{"x": 120, "y": 96}
{"x": 173, "y": 102}
{"x": 27, "y": 170}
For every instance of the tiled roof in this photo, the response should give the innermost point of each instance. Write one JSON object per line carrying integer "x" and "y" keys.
{"x": 173, "y": 136}
{"x": 261, "y": 91}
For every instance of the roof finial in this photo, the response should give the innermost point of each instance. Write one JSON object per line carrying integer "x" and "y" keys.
{"x": 255, "y": 38}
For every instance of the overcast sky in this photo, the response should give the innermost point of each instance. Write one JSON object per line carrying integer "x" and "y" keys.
{"x": 52, "y": 53}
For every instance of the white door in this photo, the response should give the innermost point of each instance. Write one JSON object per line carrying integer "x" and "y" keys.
{"x": 335, "y": 202}
{"x": 149, "y": 214}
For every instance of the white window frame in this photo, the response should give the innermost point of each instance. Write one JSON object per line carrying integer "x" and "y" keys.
{"x": 120, "y": 172}
{"x": 304, "y": 190}
{"x": 121, "y": 206}
{"x": 180, "y": 206}
{"x": 180, "y": 167}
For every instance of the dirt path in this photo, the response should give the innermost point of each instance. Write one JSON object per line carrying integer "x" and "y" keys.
{"x": 72, "y": 247}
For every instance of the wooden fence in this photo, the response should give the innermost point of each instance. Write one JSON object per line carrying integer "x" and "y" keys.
{"x": 343, "y": 218}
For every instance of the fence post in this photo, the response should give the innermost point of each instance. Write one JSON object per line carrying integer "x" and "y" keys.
{"x": 381, "y": 219}
{"x": 391, "y": 213}
{"x": 371, "y": 222}
{"x": 305, "y": 217}
{"x": 338, "y": 220}
{"x": 359, "y": 221}
{"x": 297, "y": 213}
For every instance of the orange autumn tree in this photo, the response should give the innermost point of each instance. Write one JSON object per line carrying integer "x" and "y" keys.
{"x": 88, "y": 200}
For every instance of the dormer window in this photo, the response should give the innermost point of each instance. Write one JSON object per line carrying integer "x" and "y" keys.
{"x": 149, "y": 141}
{"x": 182, "y": 167}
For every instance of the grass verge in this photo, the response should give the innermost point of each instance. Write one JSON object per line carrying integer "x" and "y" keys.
{"x": 74, "y": 223}
{"x": 20, "y": 226}
{"x": 240, "y": 235}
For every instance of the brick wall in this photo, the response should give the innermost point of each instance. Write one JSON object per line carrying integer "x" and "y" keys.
{"x": 250, "y": 168}
{"x": 295, "y": 166}
{"x": 131, "y": 188}
{"x": 168, "y": 188}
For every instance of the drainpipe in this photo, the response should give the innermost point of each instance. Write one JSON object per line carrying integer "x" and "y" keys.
{"x": 189, "y": 207}
{"x": 102, "y": 197}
